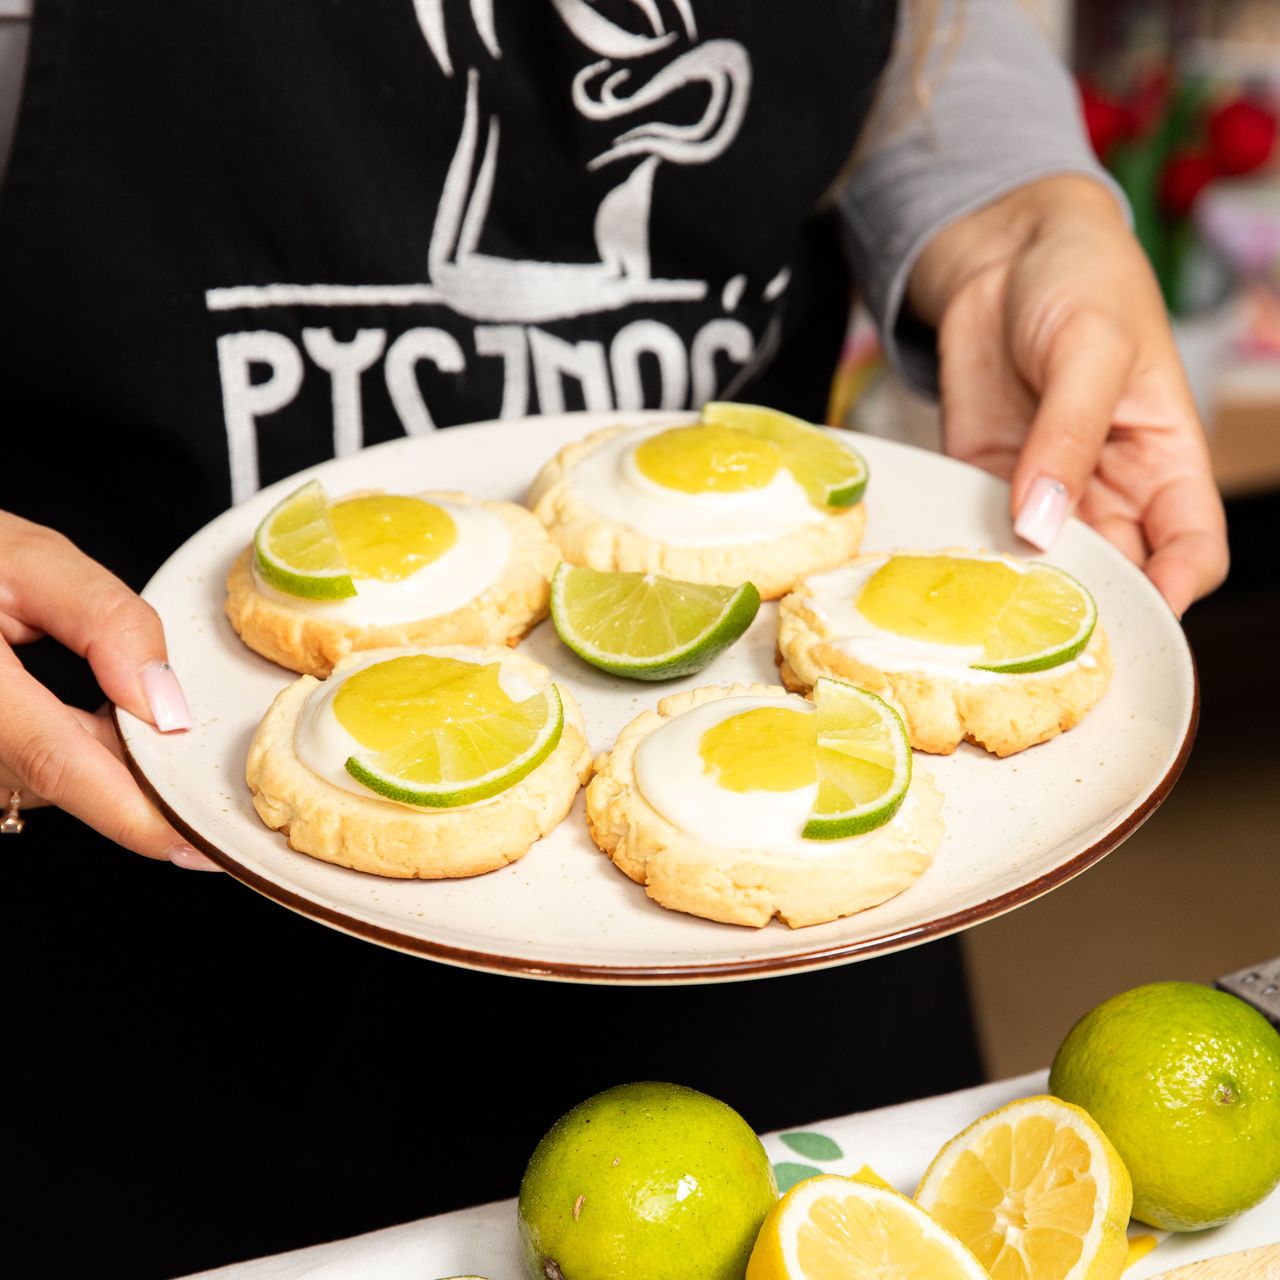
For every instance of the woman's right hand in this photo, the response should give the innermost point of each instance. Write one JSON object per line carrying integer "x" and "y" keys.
{"x": 61, "y": 755}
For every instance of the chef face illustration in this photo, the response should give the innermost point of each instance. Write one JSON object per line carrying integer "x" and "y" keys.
{"x": 629, "y": 73}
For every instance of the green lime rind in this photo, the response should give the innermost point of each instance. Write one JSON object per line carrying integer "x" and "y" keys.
{"x": 853, "y": 762}
{"x": 337, "y": 586}
{"x": 645, "y": 627}
{"x": 848, "y": 495}
{"x": 298, "y": 527}
{"x": 1055, "y": 655}
{"x": 811, "y": 452}
{"x": 450, "y": 793}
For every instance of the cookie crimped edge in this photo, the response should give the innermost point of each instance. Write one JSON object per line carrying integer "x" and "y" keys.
{"x": 748, "y": 887}
{"x": 1004, "y": 717}
{"x": 388, "y": 839}
{"x": 586, "y": 537}
{"x": 504, "y": 613}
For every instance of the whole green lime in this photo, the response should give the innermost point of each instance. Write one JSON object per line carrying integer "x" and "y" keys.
{"x": 645, "y": 1180}
{"x": 1185, "y": 1081}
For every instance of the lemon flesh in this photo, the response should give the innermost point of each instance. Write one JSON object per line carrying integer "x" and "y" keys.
{"x": 708, "y": 458}
{"x": 768, "y": 749}
{"x": 863, "y": 762}
{"x": 1036, "y": 1191}
{"x": 440, "y": 732}
{"x": 1022, "y": 621}
{"x": 296, "y": 548}
{"x": 642, "y": 1181}
{"x": 646, "y": 627}
{"x": 831, "y": 473}
{"x": 834, "y": 1228}
{"x": 390, "y": 536}
{"x": 1185, "y": 1080}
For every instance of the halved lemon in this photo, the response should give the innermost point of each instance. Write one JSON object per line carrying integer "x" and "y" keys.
{"x": 296, "y": 548}
{"x": 647, "y": 627}
{"x": 833, "y": 1228}
{"x": 864, "y": 762}
{"x": 441, "y": 732}
{"x": 1036, "y": 1191}
{"x": 832, "y": 473}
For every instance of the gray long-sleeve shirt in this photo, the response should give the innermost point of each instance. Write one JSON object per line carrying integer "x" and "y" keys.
{"x": 1001, "y": 112}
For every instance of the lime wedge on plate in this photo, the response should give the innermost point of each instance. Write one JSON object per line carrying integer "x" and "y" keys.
{"x": 645, "y": 627}
{"x": 864, "y": 762}
{"x": 296, "y": 549}
{"x": 441, "y": 732}
{"x": 830, "y": 472}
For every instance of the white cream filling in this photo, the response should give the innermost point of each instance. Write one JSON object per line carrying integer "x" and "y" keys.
{"x": 468, "y": 569}
{"x": 674, "y": 779}
{"x": 832, "y": 599}
{"x": 324, "y": 746}
{"x": 608, "y": 481}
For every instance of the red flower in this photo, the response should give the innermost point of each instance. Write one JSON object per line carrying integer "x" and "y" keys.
{"x": 1184, "y": 177}
{"x": 1151, "y": 99}
{"x": 1106, "y": 120}
{"x": 1241, "y": 136}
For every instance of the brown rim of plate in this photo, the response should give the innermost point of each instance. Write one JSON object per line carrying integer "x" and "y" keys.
{"x": 715, "y": 971}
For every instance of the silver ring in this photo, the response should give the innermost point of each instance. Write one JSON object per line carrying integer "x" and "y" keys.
{"x": 12, "y": 823}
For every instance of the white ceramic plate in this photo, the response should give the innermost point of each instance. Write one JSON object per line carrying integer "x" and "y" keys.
{"x": 1015, "y": 828}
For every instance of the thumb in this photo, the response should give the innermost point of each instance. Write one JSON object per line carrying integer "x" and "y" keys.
{"x": 1085, "y": 372}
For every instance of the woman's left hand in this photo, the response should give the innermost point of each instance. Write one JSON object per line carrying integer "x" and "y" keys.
{"x": 1059, "y": 372}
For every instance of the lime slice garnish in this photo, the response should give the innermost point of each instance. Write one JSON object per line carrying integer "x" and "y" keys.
{"x": 296, "y": 549}
{"x": 646, "y": 627}
{"x": 1047, "y": 621}
{"x": 864, "y": 762}
{"x": 831, "y": 473}
{"x": 466, "y": 758}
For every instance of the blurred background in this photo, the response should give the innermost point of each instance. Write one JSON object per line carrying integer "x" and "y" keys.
{"x": 1181, "y": 98}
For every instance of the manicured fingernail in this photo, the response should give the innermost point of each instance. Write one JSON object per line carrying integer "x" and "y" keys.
{"x": 1043, "y": 512}
{"x": 165, "y": 697}
{"x": 183, "y": 855}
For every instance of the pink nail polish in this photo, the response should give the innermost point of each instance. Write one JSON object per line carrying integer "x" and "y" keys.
{"x": 165, "y": 697}
{"x": 1043, "y": 513}
{"x": 190, "y": 859}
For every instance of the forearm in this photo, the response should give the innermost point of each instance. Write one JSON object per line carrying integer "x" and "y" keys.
{"x": 1001, "y": 113}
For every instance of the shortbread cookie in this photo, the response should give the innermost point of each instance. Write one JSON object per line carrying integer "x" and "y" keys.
{"x": 944, "y": 699}
{"x": 489, "y": 587}
{"x": 605, "y": 512}
{"x": 295, "y": 770}
{"x": 736, "y": 856}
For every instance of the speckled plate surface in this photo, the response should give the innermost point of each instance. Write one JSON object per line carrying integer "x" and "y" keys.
{"x": 1016, "y": 828}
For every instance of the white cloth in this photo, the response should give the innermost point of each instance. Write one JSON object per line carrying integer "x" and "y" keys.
{"x": 897, "y": 1142}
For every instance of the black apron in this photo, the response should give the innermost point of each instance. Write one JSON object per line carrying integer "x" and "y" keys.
{"x": 237, "y": 238}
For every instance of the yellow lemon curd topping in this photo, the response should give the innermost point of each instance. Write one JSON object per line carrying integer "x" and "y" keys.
{"x": 704, "y": 458}
{"x": 390, "y": 536}
{"x": 943, "y": 599}
{"x": 768, "y": 749}
{"x": 392, "y": 703}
